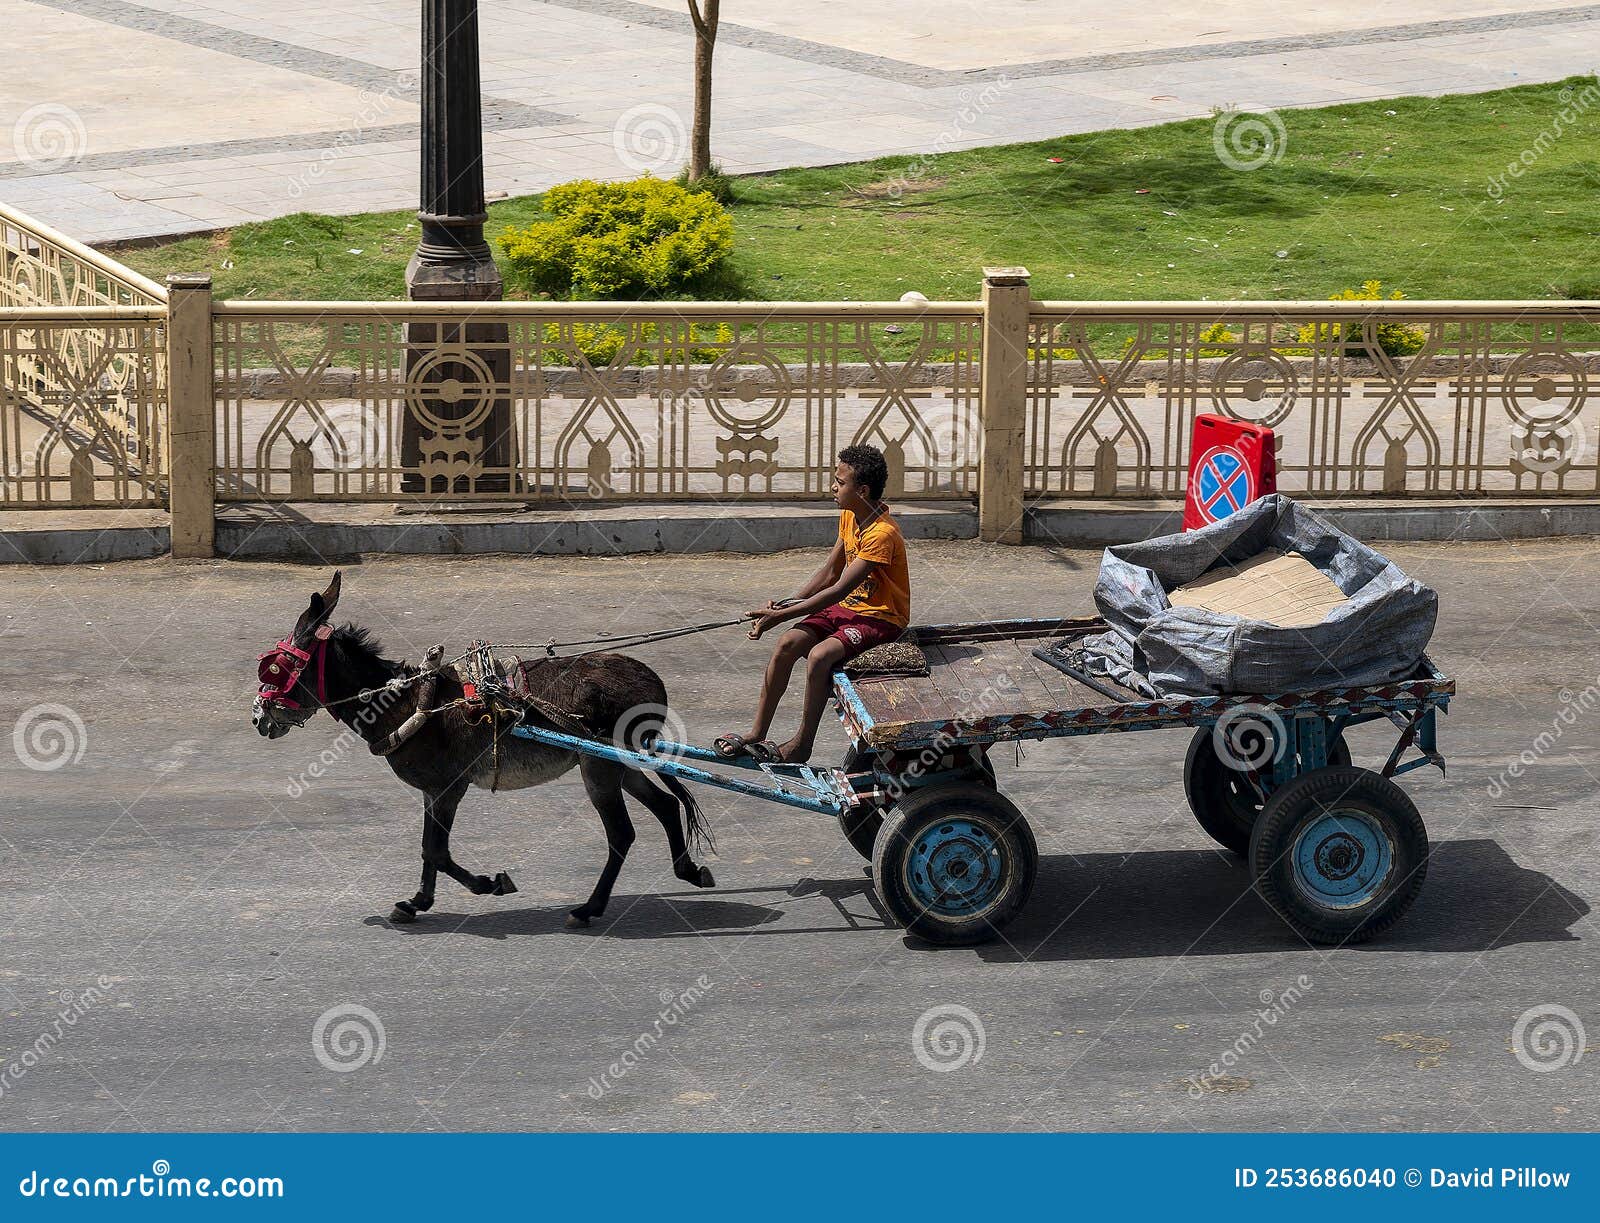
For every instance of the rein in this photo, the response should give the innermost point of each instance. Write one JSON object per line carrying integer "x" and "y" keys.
{"x": 632, "y": 639}
{"x": 280, "y": 669}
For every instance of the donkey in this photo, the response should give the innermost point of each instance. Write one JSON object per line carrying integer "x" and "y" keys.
{"x": 318, "y": 666}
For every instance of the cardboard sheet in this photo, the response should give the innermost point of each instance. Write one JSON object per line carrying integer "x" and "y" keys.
{"x": 1278, "y": 588}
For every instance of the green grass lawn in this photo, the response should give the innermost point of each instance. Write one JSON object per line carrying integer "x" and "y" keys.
{"x": 1394, "y": 190}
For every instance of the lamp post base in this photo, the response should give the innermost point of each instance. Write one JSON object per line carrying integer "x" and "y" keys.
{"x": 456, "y": 435}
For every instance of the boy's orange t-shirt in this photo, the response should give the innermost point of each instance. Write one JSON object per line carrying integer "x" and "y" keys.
{"x": 886, "y": 593}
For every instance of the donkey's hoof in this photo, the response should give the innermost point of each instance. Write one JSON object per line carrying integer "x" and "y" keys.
{"x": 503, "y": 885}
{"x": 403, "y": 913}
{"x": 576, "y": 921}
{"x": 705, "y": 879}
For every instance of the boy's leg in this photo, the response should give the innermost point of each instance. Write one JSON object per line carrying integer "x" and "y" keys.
{"x": 791, "y": 647}
{"x": 821, "y": 662}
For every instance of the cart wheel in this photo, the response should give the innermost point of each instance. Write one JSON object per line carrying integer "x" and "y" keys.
{"x": 860, "y": 827}
{"x": 1222, "y": 797}
{"x": 1340, "y": 853}
{"x": 954, "y": 863}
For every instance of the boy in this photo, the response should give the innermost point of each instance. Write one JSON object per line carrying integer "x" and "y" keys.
{"x": 861, "y": 597}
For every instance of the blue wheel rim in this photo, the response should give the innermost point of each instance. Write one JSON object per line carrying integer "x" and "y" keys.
{"x": 956, "y": 868}
{"x": 1342, "y": 859}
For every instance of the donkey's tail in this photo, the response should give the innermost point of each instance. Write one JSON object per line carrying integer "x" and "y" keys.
{"x": 699, "y": 830}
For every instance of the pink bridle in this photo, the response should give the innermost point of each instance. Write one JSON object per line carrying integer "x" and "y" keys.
{"x": 279, "y": 669}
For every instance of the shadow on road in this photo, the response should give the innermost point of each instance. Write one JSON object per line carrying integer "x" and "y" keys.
{"x": 1090, "y": 907}
{"x": 850, "y": 905}
{"x": 1195, "y": 902}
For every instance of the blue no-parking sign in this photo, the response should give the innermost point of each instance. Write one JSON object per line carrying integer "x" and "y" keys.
{"x": 1224, "y": 483}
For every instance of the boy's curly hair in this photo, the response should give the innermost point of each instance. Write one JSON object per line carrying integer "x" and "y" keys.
{"x": 869, "y": 465}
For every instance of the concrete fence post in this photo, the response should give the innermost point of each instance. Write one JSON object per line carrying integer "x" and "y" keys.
{"x": 1003, "y": 404}
{"x": 191, "y": 418}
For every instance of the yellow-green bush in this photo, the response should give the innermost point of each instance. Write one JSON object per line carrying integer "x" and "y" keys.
{"x": 611, "y": 240}
{"x": 1217, "y": 333}
{"x": 1396, "y": 339}
{"x": 601, "y": 342}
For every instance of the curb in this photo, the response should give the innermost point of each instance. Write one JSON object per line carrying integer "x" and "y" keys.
{"x": 621, "y": 531}
{"x": 1086, "y": 524}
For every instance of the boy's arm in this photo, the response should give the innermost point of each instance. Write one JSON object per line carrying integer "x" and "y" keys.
{"x": 820, "y": 580}
{"x": 827, "y": 575}
{"x": 856, "y": 572}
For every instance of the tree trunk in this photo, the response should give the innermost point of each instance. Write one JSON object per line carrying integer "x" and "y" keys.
{"x": 704, "y": 15}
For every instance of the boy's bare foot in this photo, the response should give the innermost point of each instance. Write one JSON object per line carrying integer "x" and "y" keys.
{"x": 794, "y": 752}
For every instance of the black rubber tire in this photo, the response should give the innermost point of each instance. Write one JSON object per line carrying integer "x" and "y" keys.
{"x": 1307, "y": 798}
{"x": 860, "y": 827}
{"x": 973, "y": 801}
{"x": 1221, "y": 797}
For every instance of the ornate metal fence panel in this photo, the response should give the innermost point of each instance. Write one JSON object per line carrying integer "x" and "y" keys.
{"x": 82, "y": 408}
{"x": 82, "y": 374}
{"x": 1386, "y": 399}
{"x": 540, "y": 402}
{"x": 42, "y": 267}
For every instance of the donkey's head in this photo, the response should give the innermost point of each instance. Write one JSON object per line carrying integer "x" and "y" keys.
{"x": 293, "y": 672}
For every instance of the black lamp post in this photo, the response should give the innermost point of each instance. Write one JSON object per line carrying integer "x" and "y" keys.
{"x": 456, "y": 435}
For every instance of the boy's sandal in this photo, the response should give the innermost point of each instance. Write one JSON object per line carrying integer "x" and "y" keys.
{"x": 763, "y": 751}
{"x": 730, "y": 747}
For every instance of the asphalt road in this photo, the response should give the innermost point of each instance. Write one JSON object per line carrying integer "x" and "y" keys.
{"x": 200, "y": 919}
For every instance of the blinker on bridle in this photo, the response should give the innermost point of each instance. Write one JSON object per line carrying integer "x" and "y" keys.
{"x": 279, "y": 669}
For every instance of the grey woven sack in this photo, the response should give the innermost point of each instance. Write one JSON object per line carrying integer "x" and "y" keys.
{"x": 1377, "y": 635}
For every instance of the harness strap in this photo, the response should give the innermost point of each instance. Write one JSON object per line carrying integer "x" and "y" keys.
{"x": 324, "y": 631}
{"x": 424, "y": 710}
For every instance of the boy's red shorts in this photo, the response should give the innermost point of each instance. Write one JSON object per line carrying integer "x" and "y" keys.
{"x": 858, "y": 632}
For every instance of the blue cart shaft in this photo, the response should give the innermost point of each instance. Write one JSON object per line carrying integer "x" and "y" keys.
{"x": 829, "y": 794}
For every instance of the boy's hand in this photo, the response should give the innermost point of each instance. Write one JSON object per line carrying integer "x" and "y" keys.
{"x": 765, "y": 618}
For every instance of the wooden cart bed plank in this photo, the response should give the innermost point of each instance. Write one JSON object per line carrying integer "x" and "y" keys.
{"x": 973, "y": 679}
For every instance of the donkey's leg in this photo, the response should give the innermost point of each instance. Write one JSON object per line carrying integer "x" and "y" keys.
{"x": 407, "y": 910}
{"x": 665, "y": 808}
{"x": 439, "y": 818}
{"x": 602, "y": 779}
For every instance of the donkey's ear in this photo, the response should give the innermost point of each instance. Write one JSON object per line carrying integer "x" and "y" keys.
{"x": 330, "y": 596}
{"x": 322, "y": 606}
